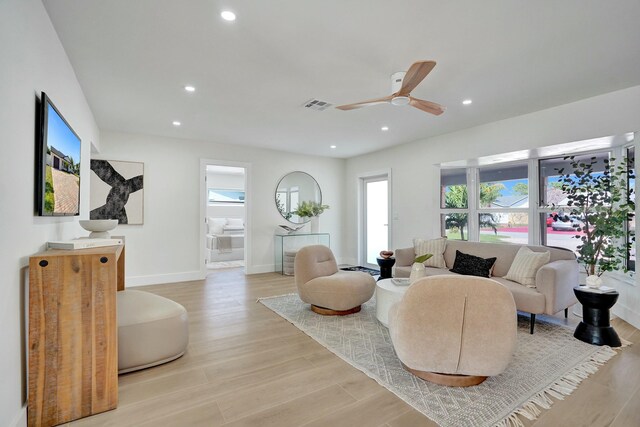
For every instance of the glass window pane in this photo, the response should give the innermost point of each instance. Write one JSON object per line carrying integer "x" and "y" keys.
{"x": 505, "y": 186}
{"x": 559, "y": 230}
{"x": 453, "y": 188}
{"x": 631, "y": 225}
{"x": 550, "y": 188}
{"x": 504, "y": 227}
{"x": 377, "y": 220}
{"x": 455, "y": 226}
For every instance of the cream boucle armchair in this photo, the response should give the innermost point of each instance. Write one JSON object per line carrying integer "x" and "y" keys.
{"x": 330, "y": 291}
{"x": 454, "y": 330}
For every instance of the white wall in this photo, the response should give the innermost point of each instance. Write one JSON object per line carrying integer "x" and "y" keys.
{"x": 33, "y": 60}
{"x": 415, "y": 178}
{"x": 167, "y": 247}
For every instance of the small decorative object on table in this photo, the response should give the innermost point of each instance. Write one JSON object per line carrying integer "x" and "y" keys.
{"x": 386, "y": 262}
{"x": 99, "y": 228}
{"x": 418, "y": 269}
{"x": 290, "y": 229}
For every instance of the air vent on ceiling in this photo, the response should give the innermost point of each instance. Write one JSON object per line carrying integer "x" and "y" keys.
{"x": 316, "y": 104}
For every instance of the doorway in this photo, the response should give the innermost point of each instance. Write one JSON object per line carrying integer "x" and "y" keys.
{"x": 225, "y": 215}
{"x": 375, "y": 230}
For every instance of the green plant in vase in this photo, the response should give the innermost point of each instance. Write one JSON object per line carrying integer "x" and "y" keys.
{"x": 604, "y": 205}
{"x": 418, "y": 268}
{"x": 311, "y": 209}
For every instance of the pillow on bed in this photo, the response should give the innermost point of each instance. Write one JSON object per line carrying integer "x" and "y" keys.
{"x": 216, "y": 225}
{"x": 235, "y": 222}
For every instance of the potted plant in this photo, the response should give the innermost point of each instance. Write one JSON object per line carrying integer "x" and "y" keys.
{"x": 603, "y": 204}
{"x": 311, "y": 209}
{"x": 418, "y": 268}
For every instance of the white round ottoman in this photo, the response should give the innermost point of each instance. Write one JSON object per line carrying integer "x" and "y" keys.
{"x": 151, "y": 330}
{"x": 387, "y": 294}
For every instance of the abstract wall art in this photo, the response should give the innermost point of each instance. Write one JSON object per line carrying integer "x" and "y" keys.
{"x": 117, "y": 191}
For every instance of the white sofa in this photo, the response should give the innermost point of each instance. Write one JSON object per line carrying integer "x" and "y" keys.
{"x": 554, "y": 282}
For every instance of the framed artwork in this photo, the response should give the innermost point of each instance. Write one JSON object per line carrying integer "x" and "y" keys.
{"x": 117, "y": 191}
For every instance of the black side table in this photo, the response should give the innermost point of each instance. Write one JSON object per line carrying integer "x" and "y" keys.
{"x": 595, "y": 327}
{"x": 385, "y": 267}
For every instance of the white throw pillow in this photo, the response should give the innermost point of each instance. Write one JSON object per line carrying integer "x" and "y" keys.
{"x": 216, "y": 225}
{"x": 525, "y": 266}
{"x": 235, "y": 222}
{"x": 434, "y": 247}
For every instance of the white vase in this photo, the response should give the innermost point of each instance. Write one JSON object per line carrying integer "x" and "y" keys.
{"x": 593, "y": 281}
{"x": 417, "y": 271}
{"x": 315, "y": 224}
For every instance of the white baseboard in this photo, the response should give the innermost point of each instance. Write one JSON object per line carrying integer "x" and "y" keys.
{"x": 157, "y": 279}
{"x": 258, "y": 269}
{"x": 627, "y": 314}
{"x": 20, "y": 420}
{"x": 347, "y": 261}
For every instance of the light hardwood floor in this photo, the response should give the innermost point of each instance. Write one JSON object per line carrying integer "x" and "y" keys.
{"x": 246, "y": 366}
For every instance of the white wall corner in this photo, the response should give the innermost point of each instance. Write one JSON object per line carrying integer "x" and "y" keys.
{"x": 20, "y": 420}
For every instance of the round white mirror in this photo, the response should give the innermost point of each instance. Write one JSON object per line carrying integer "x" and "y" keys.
{"x": 293, "y": 189}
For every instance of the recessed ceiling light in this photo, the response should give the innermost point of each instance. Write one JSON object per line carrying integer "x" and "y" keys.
{"x": 467, "y": 102}
{"x": 190, "y": 88}
{"x": 384, "y": 128}
{"x": 176, "y": 123}
{"x": 227, "y": 15}
{"x": 332, "y": 146}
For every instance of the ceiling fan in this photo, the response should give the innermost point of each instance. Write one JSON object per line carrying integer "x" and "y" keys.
{"x": 401, "y": 85}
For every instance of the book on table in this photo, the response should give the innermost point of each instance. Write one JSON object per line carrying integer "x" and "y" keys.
{"x": 600, "y": 290}
{"x": 83, "y": 243}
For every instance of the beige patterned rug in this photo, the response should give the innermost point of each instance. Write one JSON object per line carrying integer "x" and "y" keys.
{"x": 548, "y": 363}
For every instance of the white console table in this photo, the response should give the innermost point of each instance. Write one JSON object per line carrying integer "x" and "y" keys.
{"x": 286, "y": 245}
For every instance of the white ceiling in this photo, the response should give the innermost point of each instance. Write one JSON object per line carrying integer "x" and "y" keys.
{"x": 252, "y": 76}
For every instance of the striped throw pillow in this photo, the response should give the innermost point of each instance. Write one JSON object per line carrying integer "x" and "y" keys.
{"x": 525, "y": 266}
{"x": 434, "y": 247}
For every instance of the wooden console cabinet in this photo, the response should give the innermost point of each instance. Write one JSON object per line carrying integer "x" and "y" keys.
{"x": 73, "y": 333}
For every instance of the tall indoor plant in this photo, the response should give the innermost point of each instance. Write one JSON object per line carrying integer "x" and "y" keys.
{"x": 599, "y": 197}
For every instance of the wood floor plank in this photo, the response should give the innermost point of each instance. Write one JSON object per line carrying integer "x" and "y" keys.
{"x": 411, "y": 418}
{"x": 236, "y": 405}
{"x": 298, "y": 411}
{"x": 375, "y": 410}
{"x": 630, "y": 414}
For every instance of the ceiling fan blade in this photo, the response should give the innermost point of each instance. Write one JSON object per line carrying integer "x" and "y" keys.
{"x": 365, "y": 103}
{"x": 429, "y": 107}
{"x": 416, "y": 73}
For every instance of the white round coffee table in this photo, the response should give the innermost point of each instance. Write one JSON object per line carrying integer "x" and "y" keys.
{"x": 387, "y": 294}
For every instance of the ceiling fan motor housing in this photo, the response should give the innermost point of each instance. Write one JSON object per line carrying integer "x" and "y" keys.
{"x": 396, "y": 81}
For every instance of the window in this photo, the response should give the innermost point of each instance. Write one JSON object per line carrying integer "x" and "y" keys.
{"x": 522, "y": 201}
{"x": 631, "y": 194}
{"x": 454, "y": 201}
{"x": 455, "y": 226}
{"x": 453, "y": 189}
{"x": 557, "y": 226}
{"x": 218, "y": 195}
